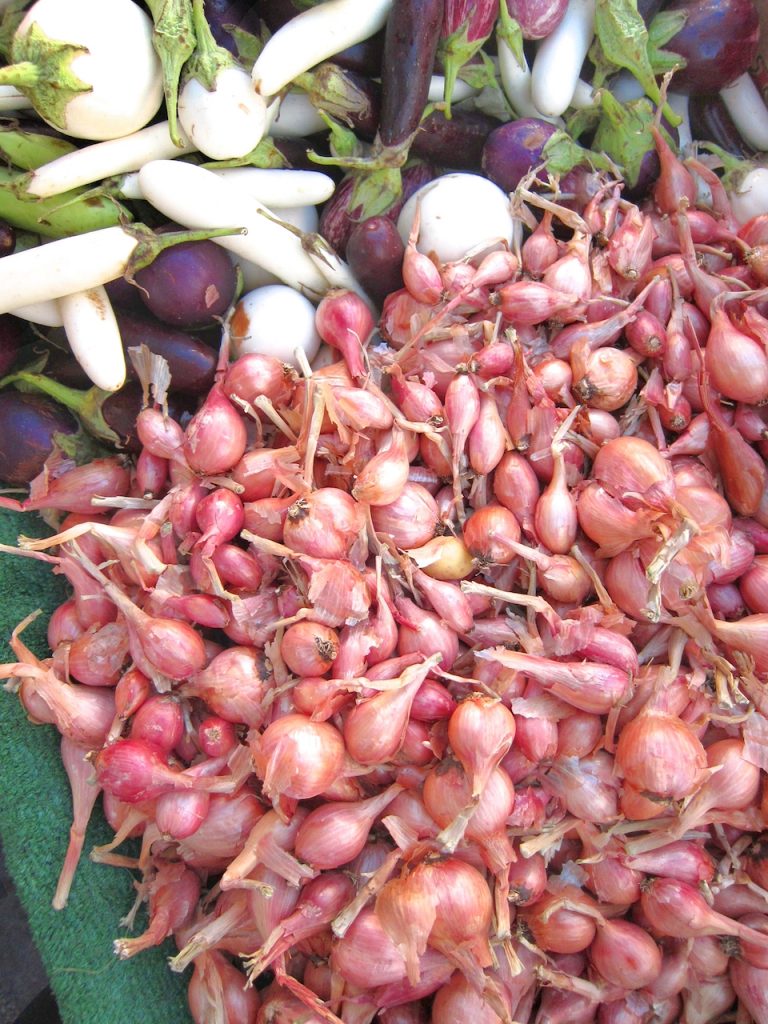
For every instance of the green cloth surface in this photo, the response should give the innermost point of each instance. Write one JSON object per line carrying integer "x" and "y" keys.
{"x": 91, "y": 985}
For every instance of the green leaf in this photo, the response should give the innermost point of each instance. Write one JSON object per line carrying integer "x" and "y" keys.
{"x": 665, "y": 26}
{"x": 343, "y": 141}
{"x": 43, "y": 72}
{"x": 582, "y": 121}
{"x": 509, "y": 31}
{"x": 266, "y": 154}
{"x": 624, "y": 41}
{"x": 561, "y": 154}
{"x": 11, "y": 18}
{"x": 624, "y": 132}
{"x": 173, "y": 39}
{"x": 603, "y": 67}
{"x": 663, "y": 61}
{"x": 248, "y": 45}
{"x": 479, "y": 75}
{"x": 375, "y": 193}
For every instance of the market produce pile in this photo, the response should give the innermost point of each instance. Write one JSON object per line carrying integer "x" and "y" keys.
{"x": 418, "y": 632}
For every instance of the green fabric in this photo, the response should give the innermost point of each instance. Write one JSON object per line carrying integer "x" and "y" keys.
{"x": 91, "y": 985}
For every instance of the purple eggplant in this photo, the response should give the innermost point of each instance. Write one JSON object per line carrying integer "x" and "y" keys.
{"x": 222, "y": 15}
{"x": 189, "y": 285}
{"x": 29, "y": 425}
{"x": 711, "y": 122}
{"x": 718, "y": 41}
{"x": 456, "y": 143}
{"x": 410, "y": 43}
{"x": 375, "y": 255}
{"x": 338, "y": 218}
{"x": 192, "y": 363}
{"x": 12, "y": 338}
{"x": 513, "y": 149}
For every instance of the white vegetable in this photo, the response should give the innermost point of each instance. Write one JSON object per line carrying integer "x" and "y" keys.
{"x": 275, "y": 320}
{"x": 305, "y": 218}
{"x": 281, "y": 187}
{"x": 294, "y": 117}
{"x": 749, "y": 199}
{"x": 46, "y": 313}
{"x": 196, "y": 198}
{"x": 459, "y": 212}
{"x": 748, "y": 111}
{"x": 516, "y": 82}
{"x": 559, "y": 58}
{"x": 313, "y": 36}
{"x": 94, "y": 337}
{"x": 583, "y": 96}
{"x": 625, "y": 87}
{"x": 227, "y": 122}
{"x": 335, "y": 271}
{"x": 12, "y": 99}
{"x": 278, "y": 188}
{"x": 64, "y": 266}
{"x": 111, "y": 88}
{"x": 678, "y": 101}
{"x": 218, "y": 107}
{"x": 105, "y": 159}
{"x": 461, "y": 90}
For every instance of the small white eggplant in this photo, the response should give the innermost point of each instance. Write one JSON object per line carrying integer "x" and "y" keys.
{"x": 94, "y": 337}
{"x": 88, "y": 66}
{"x": 219, "y": 109}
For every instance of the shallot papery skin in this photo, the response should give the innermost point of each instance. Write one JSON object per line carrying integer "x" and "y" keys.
{"x": 430, "y": 677}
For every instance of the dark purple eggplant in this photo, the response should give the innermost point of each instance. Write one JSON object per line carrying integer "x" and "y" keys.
{"x": 513, "y": 149}
{"x": 456, "y": 143}
{"x": 238, "y": 13}
{"x": 124, "y": 294}
{"x": 648, "y": 9}
{"x": 711, "y": 122}
{"x": 337, "y": 220}
{"x": 192, "y": 363}
{"x": 28, "y": 428}
{"x": 411, "y": 36}
{"x": 189, "y": 285}
{"x": 718, "y": 40}
{"x": 375, "y": 255}
{"x": 364, "y": 58}
{"x": 12, "y": 338}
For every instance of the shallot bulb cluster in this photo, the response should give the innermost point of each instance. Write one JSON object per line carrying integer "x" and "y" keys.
{"x": 433, "y": 678}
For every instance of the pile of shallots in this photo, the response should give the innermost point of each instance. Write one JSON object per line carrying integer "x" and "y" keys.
{"x": 432, "y": 679}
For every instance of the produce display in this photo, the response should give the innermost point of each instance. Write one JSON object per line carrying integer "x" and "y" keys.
{"x": 391, "y": 378}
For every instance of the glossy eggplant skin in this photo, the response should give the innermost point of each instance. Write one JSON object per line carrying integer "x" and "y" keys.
{"x": 718, "y": 40}
{"x": 411, "y": 36}
{"x": 236, "y": 13}
{"x": 375, "y": 254}
{"x": 28, "y": 428}
{"x": 710, "y": 121}
{"x": 456, "y": 143}
{"x": 192, "y": 363}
